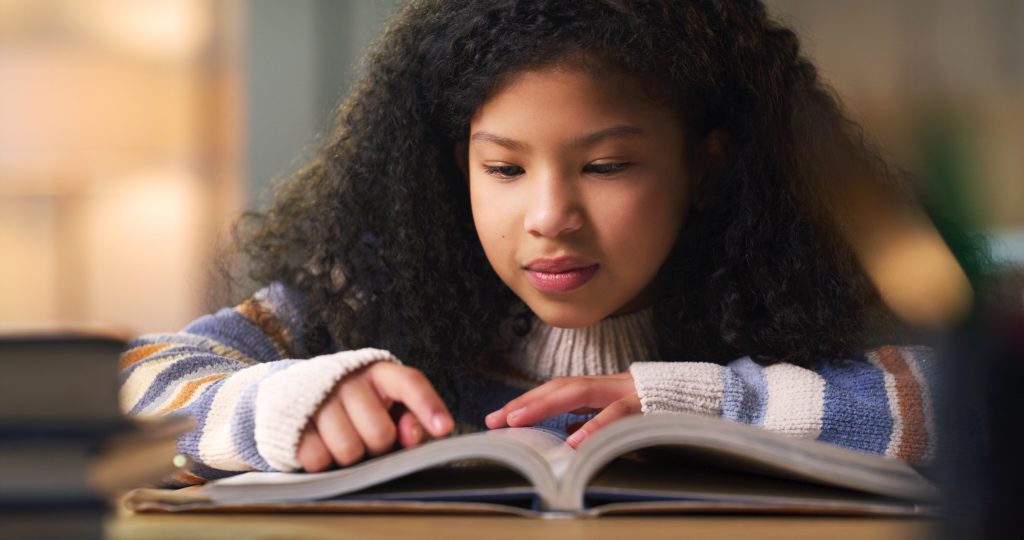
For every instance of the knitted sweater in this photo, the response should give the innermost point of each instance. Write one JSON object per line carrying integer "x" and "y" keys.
{"x": 244, "y": 376}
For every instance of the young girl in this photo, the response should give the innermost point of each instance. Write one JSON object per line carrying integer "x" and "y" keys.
{"x": 605, "y": 204}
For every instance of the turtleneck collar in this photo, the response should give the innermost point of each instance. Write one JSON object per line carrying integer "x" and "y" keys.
{"x": 607, "y": 347}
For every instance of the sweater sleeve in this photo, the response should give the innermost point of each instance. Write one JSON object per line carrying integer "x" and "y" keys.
{"x": 879, "y": 402}
{"x": 241, "y": 375}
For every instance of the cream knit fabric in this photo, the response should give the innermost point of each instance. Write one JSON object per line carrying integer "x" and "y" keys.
{"x": 618, "y": 344}
{"x": 609, "y": 346}
{"x": 287, "y": 400}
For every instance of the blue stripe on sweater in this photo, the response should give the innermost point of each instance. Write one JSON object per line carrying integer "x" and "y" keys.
{"x": 745, "y": 391}
{"x": 197, "y": 410}
{"x": 188, "y": 348}
{"x": 289, "y": 306}
{"x": 564, "y": 420}
{"x": 243, "y": 420}
{"x": 184, "y": 370}
{"x": 857, "y": 411}
{"x": 230, "y": 328}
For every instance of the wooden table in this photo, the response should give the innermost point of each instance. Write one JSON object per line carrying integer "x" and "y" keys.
{"x": 287, "y": 526}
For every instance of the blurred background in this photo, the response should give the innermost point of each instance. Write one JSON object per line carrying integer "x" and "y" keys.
{"x": 133, "y": 132}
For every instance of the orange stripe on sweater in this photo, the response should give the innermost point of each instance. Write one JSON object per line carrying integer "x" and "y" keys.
{"x": 915, "y": 434}
{"x": 184, "y": 478}
{"x": 188, "y": 390}
{"x": 138, "y": 354}
{"x": 265, "y": 320}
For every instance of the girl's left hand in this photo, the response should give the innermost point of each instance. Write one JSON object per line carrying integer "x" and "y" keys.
{"x": 614, "y": 395}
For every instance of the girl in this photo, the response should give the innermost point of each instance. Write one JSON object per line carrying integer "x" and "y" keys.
{"x": 607, "y": 204}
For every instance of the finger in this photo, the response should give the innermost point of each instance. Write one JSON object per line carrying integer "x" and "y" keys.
{"x": 412, "y": 388}
{"x": 499, "y": 418}
{"x": 410, "y": 432}
{"x": 337, "y": 432}
{"x": 579, "y": 393}
{"x": 368, "y": 415}
{"x": 616, "y": 411}
{"x": 312, "y": 454}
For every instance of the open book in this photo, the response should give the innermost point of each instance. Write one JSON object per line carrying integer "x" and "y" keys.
{"x": 653, "y": 463}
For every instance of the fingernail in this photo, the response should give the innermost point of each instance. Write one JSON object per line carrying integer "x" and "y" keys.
{"x": 575, "y": 438}
{"x": 516, "y": 413}
{"x": 417, "y": 432}
{"x": 490, "y": 417}
{"x": 440, "y": 422}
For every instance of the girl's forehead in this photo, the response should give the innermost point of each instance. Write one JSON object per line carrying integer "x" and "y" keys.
{"x": 584, "y": 89}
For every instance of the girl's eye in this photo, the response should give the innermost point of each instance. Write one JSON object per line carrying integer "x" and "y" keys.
{"x": 503, "y": 171}
{"x": 606, "y": 168}
{"x": 512, "y": 171}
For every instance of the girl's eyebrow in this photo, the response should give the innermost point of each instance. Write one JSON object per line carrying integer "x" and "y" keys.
{"x": 577, "y": 142}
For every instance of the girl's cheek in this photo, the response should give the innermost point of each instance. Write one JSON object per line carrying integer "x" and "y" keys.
{"x": 632, "y": 214}
{"x": 495, "y": 226}
{"x": 644, "y": 225}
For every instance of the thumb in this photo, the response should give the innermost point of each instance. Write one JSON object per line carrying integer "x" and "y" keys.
{"x": 410, "y": 432}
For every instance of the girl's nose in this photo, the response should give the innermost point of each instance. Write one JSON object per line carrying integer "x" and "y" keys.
{"x": 554, "y": 207}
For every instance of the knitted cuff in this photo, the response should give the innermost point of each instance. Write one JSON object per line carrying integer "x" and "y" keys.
{"x": 286, "y": 400}
{"x": 678, "y": 387}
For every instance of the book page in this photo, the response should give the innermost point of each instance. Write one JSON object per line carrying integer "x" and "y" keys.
{"x": 548, "y": 443}
{"x": 536, "y": 454}
{"x": 635, "y": 479}
{"x": 692, "y": 439}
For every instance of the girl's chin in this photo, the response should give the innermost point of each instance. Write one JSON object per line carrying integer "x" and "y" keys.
{"x": 561, "y": 315}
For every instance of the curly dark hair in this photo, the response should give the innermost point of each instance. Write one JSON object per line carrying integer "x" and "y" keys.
{"x": 376, "y": 230}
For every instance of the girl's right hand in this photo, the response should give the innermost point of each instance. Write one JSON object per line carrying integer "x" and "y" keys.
{"x": 355, "y": 419}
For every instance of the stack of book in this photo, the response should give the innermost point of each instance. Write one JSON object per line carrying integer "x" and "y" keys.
{"x": 65, "y": 447}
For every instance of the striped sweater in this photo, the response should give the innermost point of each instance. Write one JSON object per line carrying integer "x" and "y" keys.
{"x": 243, "y": 374}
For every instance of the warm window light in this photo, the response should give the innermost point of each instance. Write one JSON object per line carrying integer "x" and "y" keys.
{"x": 144, "y": 230}
{"x": 171, "y": 29}
{"x": 118, "y": 133}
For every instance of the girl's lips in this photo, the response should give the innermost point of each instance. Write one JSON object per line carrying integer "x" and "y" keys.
{"x": 561, "y": 281}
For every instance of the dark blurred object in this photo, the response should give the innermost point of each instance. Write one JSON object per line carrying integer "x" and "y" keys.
{"x": 981, "y": 408}
{"x": 1005, "y": 406}
{"x": 981, "y": 396}
{"x": 65, "y": 447}
{"x": 66, "y": 380}
{"x": 920, "y": 244}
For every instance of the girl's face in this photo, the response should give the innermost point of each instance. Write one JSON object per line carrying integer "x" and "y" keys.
{"x": 579, "y": 188}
